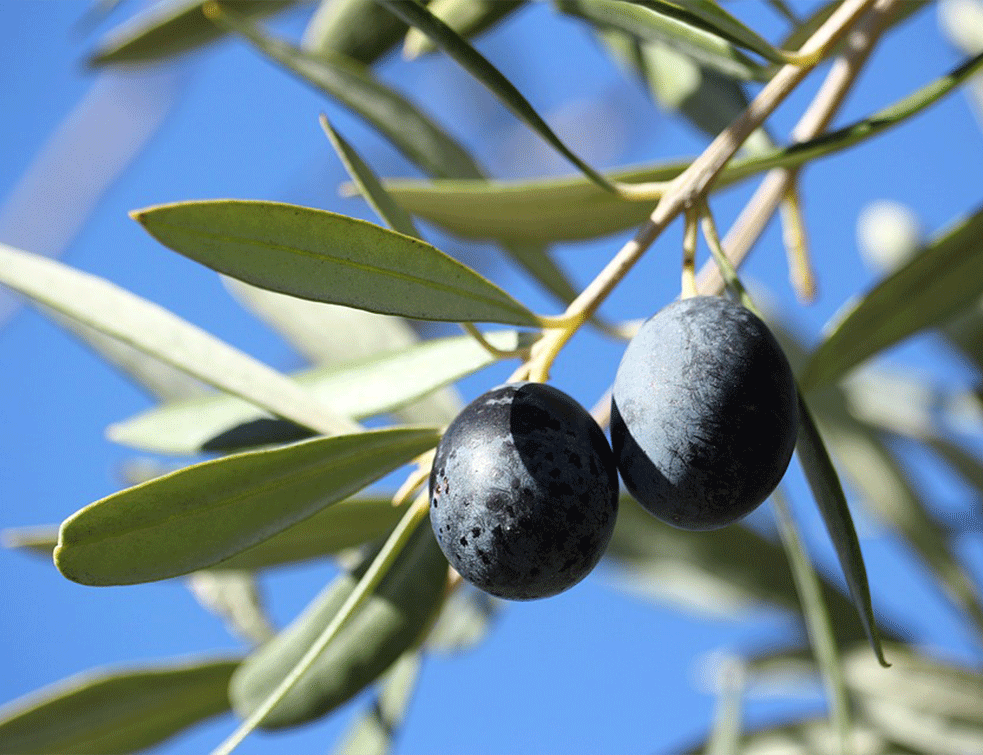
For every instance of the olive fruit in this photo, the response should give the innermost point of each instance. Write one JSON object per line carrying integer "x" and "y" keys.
{"x": 523, "y": 492}
{"x": 704, "y": 413}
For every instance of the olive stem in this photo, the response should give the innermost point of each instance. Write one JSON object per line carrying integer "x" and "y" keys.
{"x": 471, "y": 330}
{"x": 796, "y": 239}
{"x": 369, "y": 582}
{"x": 692, "y": 184}
{"x": 689, "y": 255}
{"x": 774, "y": 187}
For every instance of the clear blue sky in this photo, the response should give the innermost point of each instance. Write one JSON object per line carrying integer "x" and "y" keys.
{"x": 590, "y": 671}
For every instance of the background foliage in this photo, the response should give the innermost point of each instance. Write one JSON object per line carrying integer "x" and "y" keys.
{"x": 614, "y": 665}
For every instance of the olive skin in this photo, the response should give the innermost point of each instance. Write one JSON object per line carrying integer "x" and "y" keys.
{"x": 704, "y": 413}
{"x": 523, "y": 492}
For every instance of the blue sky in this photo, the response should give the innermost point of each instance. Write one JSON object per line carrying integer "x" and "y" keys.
{"x": 590, "y": 671}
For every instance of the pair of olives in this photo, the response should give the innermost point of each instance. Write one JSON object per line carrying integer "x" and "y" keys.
{"x": 704, "y": 417}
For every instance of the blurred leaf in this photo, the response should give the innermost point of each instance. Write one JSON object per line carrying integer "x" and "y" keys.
{"x": 358, "y": 29}
{"x": 828, "y": 493}
{"x": 965, "y": 333}
{"x": 458, "y": 48}
{"x": 466, "y": 617}
{"x": 964, "y": 462}
{"x": 343, "y": 525}
{"x": 920, "y": 683}
{"x": 234, "y": 597}
{"x": 135, "y": 321}
{"x": 552, "y": 210}
{"x": 468, "y": 18}
{"x": 320, "y": 255}
{"x": 116, "y": 711}
{"x": 726, "y": 573}
{"x": 170, "y": 28}
{"x": 692, "y": 39}
{"x": 408, "y": 128}
{"x": 201, "y": 515}
{"x": 362, "y": 388}
{"x": 374, "y": 731}
{"x": 388, "y": 623}
{"x": 924, "y": 732}
{"x": 329, "y": 334}
{"x": 369, "y": 186}
{"x": 939, "y": 282}
{"x": 725, "y": 736}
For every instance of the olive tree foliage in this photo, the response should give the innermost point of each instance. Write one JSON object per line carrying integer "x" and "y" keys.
{"x": 289, "y": 463}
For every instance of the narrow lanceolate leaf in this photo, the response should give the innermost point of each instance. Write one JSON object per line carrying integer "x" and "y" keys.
{"x": 551, "y": 210}
{"x": 347, "y": 524}
{"x": 168, "y": 29}
{"x": 323, "y": 256}
{"x": 388, "y": 622}
{"x": 135, "y": 321}
{"x": 369, "y": 186}
{"x": 817, "y": 619}
{"x": 407, "y": 128}
{"x": 374, "y": 732}
{"x": 469, "y": 18}
{"x": 942, "y": 280}
{"x": 828, "y": 492}
{"x": 359, "y": 29}
{"x": 201, "y": 515}
{"x": 693, "y": 39}
{"x": 714, "y": 19}
{"x": 417, "y": 15}
{"x": 116, "y": 711}
{"x": 362, "y": 388}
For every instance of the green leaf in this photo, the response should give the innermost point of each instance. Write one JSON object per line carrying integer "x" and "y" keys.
{"x": 201, "y": 515}
{"x": 408, "y": 128}
{"x": 168, "y": 29}
{"x": 818, "y": 622}
{"x": 373, "y": 733}
{"x": 938, "y": 283}
{"x": 828, "y": 493}
{"x": 458, "y": 48}
{"x": 116, "y": 711}
{"x": 362, "y": 388}
{"x": 369, "y": 186}
{"x": 161, "y": 334}
{"x": 469, "y": 18}
{"x": 320, "y": 255}
{"x": 389, "y": 622}
{"x": 358, "y": 29}
{"x": 568, "y": 209}
{"x": 704, "y": 46}
{"x": 714, "y": 19}
{"x": 343, "y": 525}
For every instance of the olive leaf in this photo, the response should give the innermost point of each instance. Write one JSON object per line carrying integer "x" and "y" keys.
{"x": 358, "y": 29}
{"x": 407, "y": 128}
{"x": 163, "y": 335}
{"x": 388, "y": 622}
{"x": 201, "y": 515}
{"x": 417, "y": 15}
{"x": 468, "y": 18}
{"x": 938, "y": 283}
{"x": 323, "y": 256}
{"x": 168, "y": 29}
{"x": 116, "y": 710}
